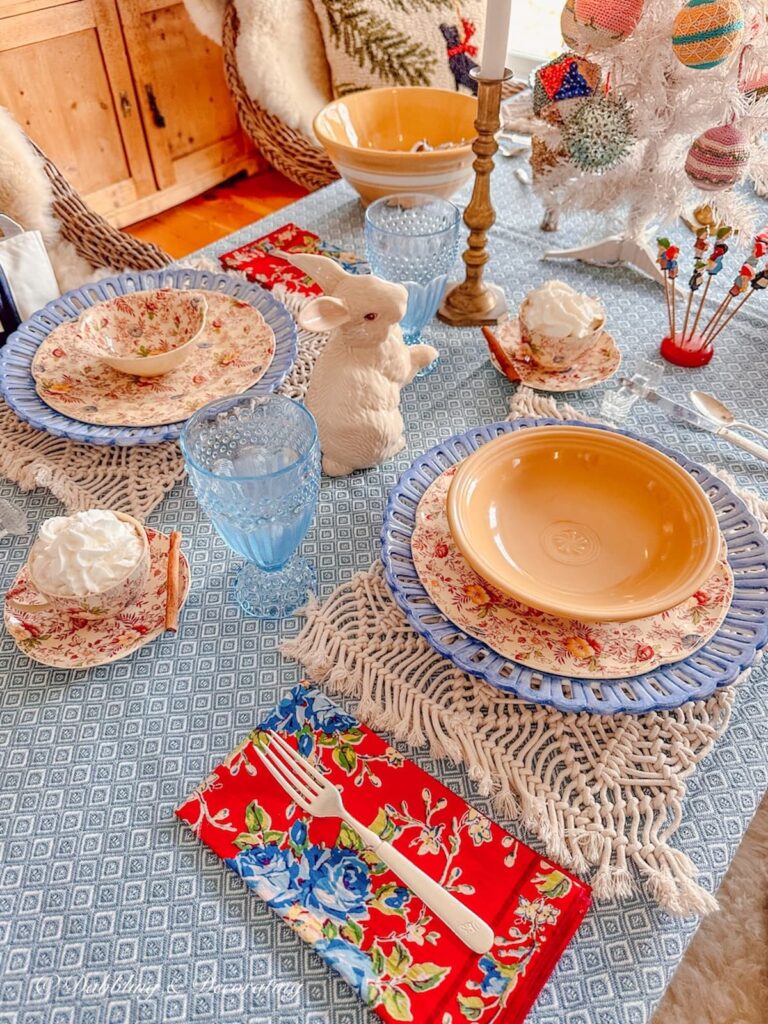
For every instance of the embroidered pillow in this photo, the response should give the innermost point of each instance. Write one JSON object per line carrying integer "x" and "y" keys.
{"x": 372, "y": 43}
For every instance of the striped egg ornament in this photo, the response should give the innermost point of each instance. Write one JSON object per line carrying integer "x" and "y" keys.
{"x": 718, "y": 159}
{"x": 706, "y": 32}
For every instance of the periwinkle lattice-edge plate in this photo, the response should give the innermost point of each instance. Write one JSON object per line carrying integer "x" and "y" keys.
{"x": 720, "y": 662}
{"x": 18, "y": 386}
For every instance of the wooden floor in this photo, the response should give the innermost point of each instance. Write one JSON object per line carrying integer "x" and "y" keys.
{"x": 214, "y": 214}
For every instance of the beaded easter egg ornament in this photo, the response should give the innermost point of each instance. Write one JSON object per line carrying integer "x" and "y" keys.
{"x": 601, "y": 25}
{"x": 718, "y": 159}
{"x": 562, "y": 84}
{"x": 600, "y": 133}
{"x": 706, "y": 32}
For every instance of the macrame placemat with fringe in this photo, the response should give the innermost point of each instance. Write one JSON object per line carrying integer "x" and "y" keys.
{"x": 603, "y": 794}
{"x": 133, "y": 480}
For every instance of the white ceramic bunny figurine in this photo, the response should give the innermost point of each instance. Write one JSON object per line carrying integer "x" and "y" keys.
{"x": 354, "y": 392}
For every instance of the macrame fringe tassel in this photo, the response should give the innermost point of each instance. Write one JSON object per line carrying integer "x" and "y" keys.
{"x": 410, "y": 716}
{"x": 62, "y": 486}
{"x": 29, "y": 473}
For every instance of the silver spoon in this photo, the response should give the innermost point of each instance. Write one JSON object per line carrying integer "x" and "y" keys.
{"x": 714, "y": 410}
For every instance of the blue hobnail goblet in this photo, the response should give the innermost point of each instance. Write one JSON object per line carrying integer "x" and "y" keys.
{"x": 254, "y": 464}
{"x": 412, "y": 239}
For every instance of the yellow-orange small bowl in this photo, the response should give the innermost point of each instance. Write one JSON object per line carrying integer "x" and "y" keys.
{"x": 369, "y": 136}
{"x": 583, "y": 523}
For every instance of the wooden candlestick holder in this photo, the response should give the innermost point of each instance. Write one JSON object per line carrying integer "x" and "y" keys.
{"x": 473, "y": 302}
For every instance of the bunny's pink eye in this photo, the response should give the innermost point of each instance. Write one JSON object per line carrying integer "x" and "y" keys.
{"x": 370, "y": 316}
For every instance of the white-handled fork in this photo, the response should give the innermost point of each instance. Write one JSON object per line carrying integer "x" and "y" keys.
{"x": 320, "y": 798}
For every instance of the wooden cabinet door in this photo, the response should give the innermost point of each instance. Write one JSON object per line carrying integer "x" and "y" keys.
{"x": 65, "y": 78}
{"x": 189, "y": 118}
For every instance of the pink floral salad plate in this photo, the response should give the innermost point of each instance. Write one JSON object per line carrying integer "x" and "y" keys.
{"x": 231, "y": 353}
{"x": 72, "y": 642}
{"x": 598, "y": 364}
{"x": 546, "y": 643}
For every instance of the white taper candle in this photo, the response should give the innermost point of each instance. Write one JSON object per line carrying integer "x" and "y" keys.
{"x": 495, "y": 40}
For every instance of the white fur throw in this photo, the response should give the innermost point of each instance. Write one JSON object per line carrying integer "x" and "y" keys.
{"x": 25, "y": 196}
{"x": 280, "y": 55}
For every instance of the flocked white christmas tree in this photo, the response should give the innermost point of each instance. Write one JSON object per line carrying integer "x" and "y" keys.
{"x": 679, "y": 71}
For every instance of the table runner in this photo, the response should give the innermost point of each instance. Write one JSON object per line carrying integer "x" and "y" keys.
{"x": 603, "y": 793}
{"x": 103, "y": 892}
{"x": 127, "y": 479}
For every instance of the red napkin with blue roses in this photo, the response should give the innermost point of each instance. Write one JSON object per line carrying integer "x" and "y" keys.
{"x": 394, "y": 952}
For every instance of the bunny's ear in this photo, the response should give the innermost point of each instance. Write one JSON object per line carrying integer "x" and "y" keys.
{"x": 326, "y": 272}
{"x": 323, "y": 314}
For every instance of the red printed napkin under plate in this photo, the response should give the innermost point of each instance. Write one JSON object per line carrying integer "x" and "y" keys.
{"x": 397, "y": 955}
{"x": 257, "y": 260}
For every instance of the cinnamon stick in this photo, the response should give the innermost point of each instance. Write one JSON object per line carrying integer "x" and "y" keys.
{"x": 172, "y": 583}
{"x": 497, "y": 350}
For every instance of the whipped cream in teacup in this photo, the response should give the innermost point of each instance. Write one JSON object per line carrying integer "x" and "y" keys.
{"x": 83, "y": 554}
{"x": 559, "y": 311}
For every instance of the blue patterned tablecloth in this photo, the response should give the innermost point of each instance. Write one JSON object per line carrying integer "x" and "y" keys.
{"x": 112, "y": 913}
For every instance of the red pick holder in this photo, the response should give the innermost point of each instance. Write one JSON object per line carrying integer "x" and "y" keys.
{"x": 693, "y": 353}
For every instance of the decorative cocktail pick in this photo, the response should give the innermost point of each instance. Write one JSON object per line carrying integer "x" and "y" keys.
{"x": 667, "y": 259}
{"x": 700, "y": 247}
{"x": 662, "y": 245}
{"x": 758, "y": 284}
{"x": 713, "y": 267}
{"x": 673, "y": 269}
{"x": 742, "y": 280}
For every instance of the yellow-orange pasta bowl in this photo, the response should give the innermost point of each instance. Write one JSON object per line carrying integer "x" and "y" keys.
{"x": 583, "y": 523}
{"x": 371, "y": 136}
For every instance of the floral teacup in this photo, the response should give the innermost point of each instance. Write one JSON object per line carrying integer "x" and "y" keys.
{"x": 101, "y": 605}
{"x": 145, "y": 334}
{"x": 556, "y": 353}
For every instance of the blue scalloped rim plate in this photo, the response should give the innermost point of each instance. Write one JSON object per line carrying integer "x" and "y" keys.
{"x": 720, "y": 662}
{"x": 18, "y": 386}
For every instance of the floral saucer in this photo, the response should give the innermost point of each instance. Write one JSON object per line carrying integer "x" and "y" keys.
{"x": 232, "y": 353}
{"x": 81, "y": 643}
{"x": 546, "y": 643}
{"x": 598, "y": 364}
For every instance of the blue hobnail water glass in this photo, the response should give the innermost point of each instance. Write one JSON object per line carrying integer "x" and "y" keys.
{"x": 254, "y": 464}
{"x": 413, "y": 239}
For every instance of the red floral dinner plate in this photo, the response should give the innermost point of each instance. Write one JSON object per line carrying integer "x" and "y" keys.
{"x": 231, "y": 354}
{"x": 586, "y": 650}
